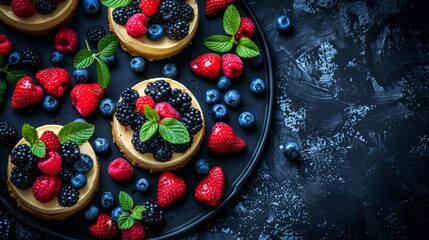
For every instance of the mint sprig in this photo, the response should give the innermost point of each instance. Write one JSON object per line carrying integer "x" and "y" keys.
{"x": 78, "y": 132}
{"x": 127, "y": 219}
{"x": 12, "y": 76}
{"x": 85, "y": 58}
{"x": 37, "y": 147}
{"x": 115, "y": 3}
{"x": 246, "y": 48}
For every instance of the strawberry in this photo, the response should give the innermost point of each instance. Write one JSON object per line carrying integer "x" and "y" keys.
{"x": 104, "y": 227}
{"x": 144, "y": 101}
{"x": 170, "y": 189}
{"x": 209, "y": 191}
{"x": 165, "y": 110}
{"x": 120, "y": 170}
{"x": 66, "y": 40}
{"x": 247, "y": 29}
{"x": 136, "y": 25}
{"x": 46, "y": 187}
{"x": 25, "y": 93}
{"x": 223, "y": 139}
{"x": 136, "y": 232}
{"x": 51, "y": 141}
{"x": 54, "y": 81}
{"x": 5, "y": 45}
{"x": 214, "y": 7}
{"x": 86, "y": 96}
{"x": 149, "y": 7}
{"x": 51, "y": 164}
{"x": 23, "y": 8}
{"x": 232, "y": 66}
{"x": 207, "y": 65}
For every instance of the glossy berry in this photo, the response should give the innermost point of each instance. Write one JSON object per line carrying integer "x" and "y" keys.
{"x": 51, "y": 164}
{"x": 192, "y": 120}
{"x": 232, "y": 98}
{"x": 81, "y": 75}
{"x": 107, "y": 200}
{"x": 46, "y": 187}
{"x": 144, "y": 101}
{"x": 257, "y": 86}
{"x": 177, "y": 30}
{"x": 68, "y": 195}
{"x": 142, "y": 184}
{"x": 78, "y": 180}
{"x": 136, "y": 25}
{"x": 6, "y": 226}
{"x": 107, "y": 107}
{"x": 95, "y": 33}
{"x": 101, "y": 145}
{"x": 120, "y": 170}
{"x": 8, "y": 133}
{"x": 66, "y": 40}
{"x": 91, "y": 6}
{"x": 23, "y": 158}
{"x": 31, "y": 58}
{"x": 246, "y": 119}
{"x": 153, "y": 217}
{"x": 116, "y": 213}
{"x": 137, "y": 64}
{"x": 129, "y": 95}
{"x": 202, "y": 167}
{"x": 170, "y": 70}
{"x": 83, "y": 164}
{"x": 51, "y": 141}
{"x": 283, "y": 23}
{"x": 155, "y": 32}
{"x": 21, "y": 179}
{"x": 50, "y": 104}
{"x": 14, "y": 58}
{"x": 291, "y": 150}
{"x": 180, "y": 100}
{"x": 92, "y": 212}
{"x": 223, "y": 83}
{"x": 110, "y": 60}
{"x": 121, "y": 14}
{"x": 219, "y": 111}
{"x": 212, "y": 96}
{"x": 57, "y": 58}
{"x": 45, "y": 7}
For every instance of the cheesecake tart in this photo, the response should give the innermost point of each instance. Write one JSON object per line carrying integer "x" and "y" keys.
{"x": 123, "y": 135}
{"x": 52, "y": 209}
{"x": 39, "y": 24}
{"x": 154, "y": 50}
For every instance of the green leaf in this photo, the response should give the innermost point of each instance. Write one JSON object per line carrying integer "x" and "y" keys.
{"x": 150, "y": 114}
{"x": 13, "y": 75}
{"x": 29, "y": 133}
{"x": 103, "y": 73}
{"x": 148, "y": 129}
{"x": 115, "y": 3}
{"x": 125, "y": 200}
{"x": 3, "y": 88}
{"x": 107, "y": 45}
{"x": 137, "y": 212}
{"x": 247, "y": 48}
{"x": 38, "y": 148}
{"x": 218, "y": 43}
{"x": 125, "y": 221}
{"x": 173, "y": 131}
{"x": 231, "y": 20}
{"x": 78, "y": 132}
{"x": 83, "y": 59}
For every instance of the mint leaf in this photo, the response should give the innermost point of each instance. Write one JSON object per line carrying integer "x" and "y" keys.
{"x": 148, "y": 129}
{"x": 103, "y": 73}
{"x": 173, "y": 131}
{"x": 3, "y": 88}
{"x": 38, "y": 149}
{"x": 231, "y": 20}
{"x": 83, "y": 59}
{"x": 115, "y": 3}
{"x": 137, "y": 212}
{"x": 247, "y": 48}
{"x": 29, "y": 133}
{"x": 218, "y": 43}
{"x": 125, "y": 221}
{"x": 107, "y": 45}
{"x": 150, "y": 114}
{"x": 78, "y": 132}
{"x": 13, "y": 75}
{"x": 126, "y": 201}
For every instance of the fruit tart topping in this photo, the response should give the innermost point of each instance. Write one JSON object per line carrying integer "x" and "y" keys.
{"x": 170, "y": 189}
{"x": 51, "y": 164}
{"x": 210, "y": 190}
{"x": 144, "y": 101}
{"x": 46, "y": 188}
{"x": 68, "y": 195}
{"x": 149, "y": 7}
{"x": 136, "y": 25}
{"x": 23, "y": 8}
{"x": 45, "y": 7}
{"x": 223, "y": 139}
{"x": 121, "y": 14}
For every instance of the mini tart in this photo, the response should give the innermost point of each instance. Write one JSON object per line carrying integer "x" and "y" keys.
{"x": 154, "y": 50}
{"x": 39, "y": 24}
{"x": 52, "y": 210}
{"x": 122, "y": 136}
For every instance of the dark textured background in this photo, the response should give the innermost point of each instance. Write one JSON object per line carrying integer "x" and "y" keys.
{"x": 352, "y": 89}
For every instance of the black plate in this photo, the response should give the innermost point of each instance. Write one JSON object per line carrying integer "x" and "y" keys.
{"x": 186, "y": 213}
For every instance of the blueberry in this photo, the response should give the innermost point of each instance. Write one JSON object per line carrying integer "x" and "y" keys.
{"x": 155, "y": 32}
{"x": 116, "y": 213}
{"x": 107, "y": 200}
{"x": 223, "y": 83}
{"x": 78, "y": 180}
{"x": 212, "y": 96}
{"x": 255, "y": 61}
{"x": 83, "y": 164}
{"x": 80, "y": 120}
{"x": 283, "y": 23}
{"x": 50, "y": 104}
{"x": 170, "y": 70}
{"x": 57, "y": 58}
{"x": 110, "y": 60}
{"x": 137, "y": 64}
{"x": 257, "y": 86}
{"x": 142, "y": 184}
{"x": 202, "y": 167}
{"x": 14, "y": 58}
{"x": 290, "y": 150}
{"x": 107, "y": 107}
{"x": 219, "y": 111}
{"x": 81, "y": 75}
{"x": 232, "y": 98}
{"x": 101, "y": 145}
{"x": 246, "y": 119}
{"x": 92, "y": 212}
{"x": 91, "y": 6}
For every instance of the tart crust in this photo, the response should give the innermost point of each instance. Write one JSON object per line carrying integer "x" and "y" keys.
{"x": 122, "y": 136}
{"x": 153, "y": 50}
{"x": 52, "y": 210}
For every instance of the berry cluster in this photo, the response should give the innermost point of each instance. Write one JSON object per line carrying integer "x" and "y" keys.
{"x": 27, "y": 8}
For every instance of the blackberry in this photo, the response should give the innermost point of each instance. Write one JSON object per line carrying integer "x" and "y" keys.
{"x": 181, "y": 148}
{"x": 163, "y": 151}
{"x": 8, "y": 133}
{"x": 130, "y": 95}
{"x": 66, "y": 174}
{"x": 137, "y": 122}
{"x": 21, "y": 179}
{"x": 124, "y": 113}
{"x": 170, "y": 10}
{"x": 187, "y": 12}
{"x": 148, "y": 146}
{"x": 45, "y": 7}
{"x": 5, "y": 226}
{"x": 192, "y": 120}
{"x": 159, "y": 90}
{"x": 181, "y": 101}
{"x": 31, "y": 58}
{"x": 69, "y": 152}
{"x": 95, "y": 33}
{"x": 121, "y": 14}
{"x": 68, "y": 195}
{"x": 156, "y": 19}
{"x": 177, "y": 30}
{"x": 5, "y": 2}
{"x": 153, "y": 217}
{"x": 23, "y": 158}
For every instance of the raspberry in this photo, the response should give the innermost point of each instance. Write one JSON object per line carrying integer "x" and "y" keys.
{"x": 55, "y": 81}
{"x": 51, "y": 140}
{"x": 149, "y": 7}
{"x": 66, "y": 40}
{"x": 46, "y": 187}
{"x": 51, "y": 164}
{"x": 135, "y": 232}
{"x": 247, "y": 29}
{"x": 120, "y": 170}
{"x": 232, "y": 66}
{"x": 31, "y": 58}
{"x": 68, "y": 195}
{"x": 5, "y": 45}
{"x": 165, "y": 110}
{"x": 144, "y": 101}
{"x": 45, "y": 7}
{"x": 86, "y": 97}
{"x": 136, "y": 26}
{"x": 95, "y": 33}
{"x": 23, "y": 8}
{"x": 177, "y": 30}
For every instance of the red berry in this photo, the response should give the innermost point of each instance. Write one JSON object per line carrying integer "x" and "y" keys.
{"x": 136, "y": 25}
{"x": 120, "y": 170}
{"x": 23, "y": 8}
{"x": 232, "y": 66}
{"x": 207, "y": 65}
{"x": 86, "y": 97}
{"x": 25, "y": 93}
{"x": 223, "y": 139}
{"x": 214, "y": 7}
{"x": 5, "y": 45}
{"x": 55, "y": 81}
{"x": 104, "y": 227}
{"x": 51, "y": 140}
{"x": 51, "y": 164}
{"x": 165, "y": 110}
{"x": 210, "y": 190}
{"x": 46, "y": 188}
{"x": 170, "y": 189}
{"x": 136, "y": 232}
{"x": 247, "y": 29}
{"x": 66, "y": 40}
{"x": 144, "y": 101}
{"x": 149, "y": 7}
